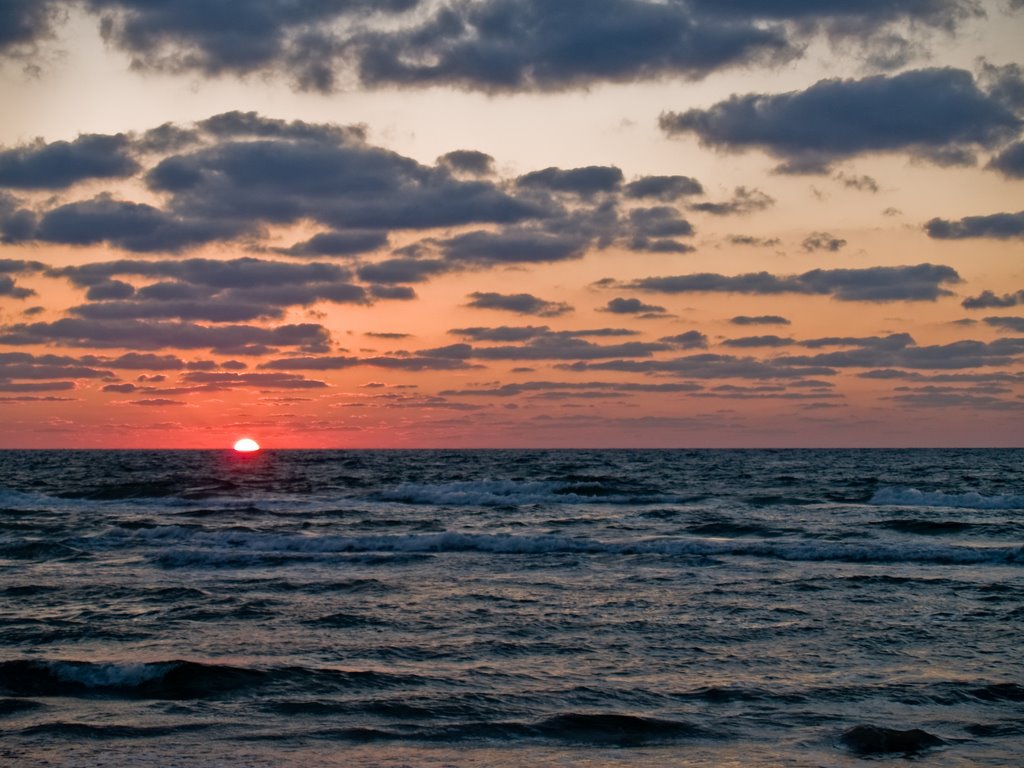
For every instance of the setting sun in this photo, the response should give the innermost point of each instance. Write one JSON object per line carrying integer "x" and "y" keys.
{"x": 247, "y": 445}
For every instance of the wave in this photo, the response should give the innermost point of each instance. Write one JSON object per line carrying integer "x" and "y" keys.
{"x": 911, "y": 497}
{"x": 179, "y": 679}
{"x": 232, "y": 548}
{"x": 500, "y": 493}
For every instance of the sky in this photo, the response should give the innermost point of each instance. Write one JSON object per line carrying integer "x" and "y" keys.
{"x": 511, "y": 223}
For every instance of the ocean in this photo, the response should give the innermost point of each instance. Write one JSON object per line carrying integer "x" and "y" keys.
{"x": 509, "y": 607}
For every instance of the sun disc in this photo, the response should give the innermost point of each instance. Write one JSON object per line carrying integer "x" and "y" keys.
{"x": 246, "y": 445}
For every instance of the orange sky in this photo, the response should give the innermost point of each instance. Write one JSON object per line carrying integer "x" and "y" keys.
{"x": 423, "y": 256}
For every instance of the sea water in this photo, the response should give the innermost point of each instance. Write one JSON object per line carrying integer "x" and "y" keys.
{"x": 541, "y": 608}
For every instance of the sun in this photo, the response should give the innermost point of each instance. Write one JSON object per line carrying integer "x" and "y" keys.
{"x": 246, "y": 445}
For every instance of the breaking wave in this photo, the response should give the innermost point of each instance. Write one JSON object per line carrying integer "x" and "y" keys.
{"x": 911, "y": 497}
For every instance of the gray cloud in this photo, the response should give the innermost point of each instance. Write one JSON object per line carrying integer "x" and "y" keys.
{"x": 763, "y": 242}
{"x": 62, "y": 163}
{"x": 338, "y": 244}
{"x": 936, "y": 114}
{"x": 468, "y": 161}
{"x": 989, "y": 300}
{"x": 823, "y": 241}
{"x": 687, "y": 340}
{"x": 749, "y": 342}
{"x": 707, "y": 366}
{"x": 513, "y": 246}
{"x": 743, "y": 201}
{"x": 620, "y": 306}
{"x": 905, "y": 354}
{"x": 258, "y": 380}
{"x": 1015, "y": 324}
{"x": 922, "y": 282}
{"x": 528, "y": 387}
{"x": 579, "y": 181}
{"x": 1010, "y": 162}
{"x": 1000, "y": 226}
{"x": 328, "y": 363}
{"x": 149, "y": 334}
{"x": 9, "y": 288}
{"x": 667, "y": 189}
{"x": 520, "y": 303}
{"x": 548, "y": 347}
{"x": 759, "y": 320}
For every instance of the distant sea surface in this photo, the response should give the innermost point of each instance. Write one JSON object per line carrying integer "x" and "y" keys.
{"x": 537, "y": 608}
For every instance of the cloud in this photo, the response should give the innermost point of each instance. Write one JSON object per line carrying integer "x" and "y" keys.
{"x": 1015, "y": 324}
{"x": 667, "y": 189}
{"x": 151, "y": 334}
{"x": 258, "y": 380}
{"x": 23, "y": 23}
{"x": 468, "y": 161}
{"x": 862, "y": 183}
{"x": 1000, "y": 226}
{"x": 520, "y": 303}
{"x": 528, "y": 387}
{"x": 62, "y": 163}
{"x": 339, "y": 244}
{"x": 707, "y": 366}
{"x": 900, "y": 351}
{"x": 743, "y": 201}
{"x": 548, "y": 347}
{"x": 762, "y": 242}
{"x": 157, "y": 402}
{"x": 620, "y": 306}
{"x": 687, "y": 340}
{"x": 748, "y": 342}
{"x": 508, "y": 45}
{"x": 989, "y": 300}
{"x": 578, "y": 181}
{"x": 513, "y": 246}
{"x": 922, "y": 282}
{"x": 823, "y": 241}
{"x": 293, "y": 36}
{"x": 9, "y": 288}
{"x": 330, "y": 363}
{"x": 934, "y": 114}
{"x": 1010, "y": 162}
{"x": 759, "y": 320}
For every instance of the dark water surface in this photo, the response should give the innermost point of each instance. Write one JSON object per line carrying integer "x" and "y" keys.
{"x": 539, "y": 608}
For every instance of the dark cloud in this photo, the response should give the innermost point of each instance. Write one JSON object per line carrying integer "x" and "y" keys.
{"x": 579, "y": 181}
{"x": 749, "y": 342}
{"x": 922, "y": 282}
{"x": 148, "y": 334}
{"x": 707, "y": 366}
{"x": 520, "y": 303}
{"x": 1005, "y": 83}
{"x": 62, "y": 163}
{"x": 132, "y": 226}
{"x": 687, "y": 340}
{"x": 506, "y": 45}
{"x": 339, "y": 244}
{"x": 23, "y": 23}
{"x": 504, "y": 333}
{"x": 667, "y": 189}
{"x": 296, "y": 36}
{"x": 411, "y": 363}
{"x": 621, "y": 306}
{"x": 763, "y": 242}
{"x": 513, "y": 246}
{"x": 743, "y": 201}
{"x": 759, "y": 320}
{"x": 528, "y": 387}
{"x": 1000, "y": 226}
{"x": 1015, "y": 324}
{"x": 548, "y": 347}
{"x": 823, "y": 241}
{"x": 468, "y": 161}
{"x": 860, "y": 183}
{"x": 936, "y": 114}
{"x": 233, "y": 290}
{"x": 258, "y": 380}
{"x": 899, "y": 351}
{"x": 401, "y": 270}
{"x": 1010, "y": 162}
{"x": 989, "y": 300}
{"x": 9, "y": 288}
{"x": 157, "y": 402}
{"x": 36, "y": 386}
{"x": 16, "y": 223}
